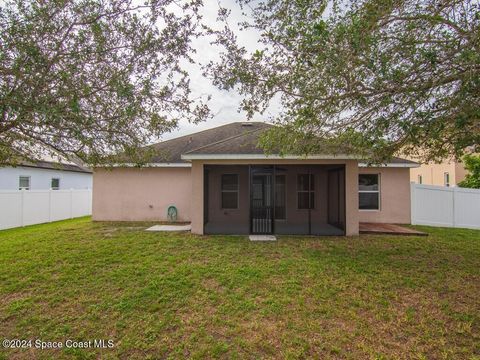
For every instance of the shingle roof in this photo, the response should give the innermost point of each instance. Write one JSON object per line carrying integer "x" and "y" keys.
{"x": 243, "y": 143}
{"x": 238, "y": 138}
{"x": 55, "y": 166}
{"x": 171, "y": 151}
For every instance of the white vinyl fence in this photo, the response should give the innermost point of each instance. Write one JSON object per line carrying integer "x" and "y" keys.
{"x": 445, "y": 206}
{"x": 28, "y": 207}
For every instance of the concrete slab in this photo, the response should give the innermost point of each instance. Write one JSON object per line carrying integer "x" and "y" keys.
{"x": 262, "y": 238}
{"x": 170, "y": 228}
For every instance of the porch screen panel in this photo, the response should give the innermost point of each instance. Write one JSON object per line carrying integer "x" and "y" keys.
{"x": 280, "y": 188}
{"x": 229, "y": 191}
{"x": 306, "y": 191}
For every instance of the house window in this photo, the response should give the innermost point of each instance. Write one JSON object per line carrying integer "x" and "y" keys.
{"x": 24, "y": 183}
{"x": 229, "y": 191}
{"x": 368, "y": 192}
{"x": 420, "y": 179}
{"x": 55, "y": 184}
{"x": 280, "y": 190}
{"x": 306, "y": 191}
{"x": 446, "y": 179}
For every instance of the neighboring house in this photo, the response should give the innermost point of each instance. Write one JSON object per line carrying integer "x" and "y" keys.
{"x": 448, "y": 173}
{"x": 45, "y": 175}
{"x": 223, "y": 183}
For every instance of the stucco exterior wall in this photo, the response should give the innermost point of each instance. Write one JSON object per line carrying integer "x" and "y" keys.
{"x": 394, "y": 196}
{"x": 131, "y": 194}
{"x": 433, "y": 174}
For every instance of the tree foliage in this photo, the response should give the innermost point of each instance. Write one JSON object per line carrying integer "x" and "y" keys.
{"x": 89, "y": 78}
{"x": 472, "y": 165}
{"x": 372, "y": 76}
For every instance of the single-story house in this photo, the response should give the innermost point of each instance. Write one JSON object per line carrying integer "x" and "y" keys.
{"x": 222, "y": 182}
{"x": 45, "y": 175}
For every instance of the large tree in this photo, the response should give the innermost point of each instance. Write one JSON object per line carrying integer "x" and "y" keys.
{"x": 89, "y": 78}
{"x": 373, "y": 76}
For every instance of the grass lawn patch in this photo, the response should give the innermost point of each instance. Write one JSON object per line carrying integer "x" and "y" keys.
{"x": 177, "y": 295}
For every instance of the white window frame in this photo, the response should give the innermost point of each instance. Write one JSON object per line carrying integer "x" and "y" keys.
{"x": 230, "y": 191}
{"x": 446, "y": 179}
{"x": 51, "y": 180}
{"x": 372, "y": 191}
{"x": 29, "y": 182}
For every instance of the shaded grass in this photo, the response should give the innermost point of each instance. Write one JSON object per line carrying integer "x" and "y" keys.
{"x": 167, "y": 295}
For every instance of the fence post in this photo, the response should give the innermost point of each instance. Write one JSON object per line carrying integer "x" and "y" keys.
{"x": 412, "y": 203}
{"x": 71, "y": 203}
{"x": 49, "y": 205}
{"x": 22, "y": 208}
{"x": 454, "y": 195}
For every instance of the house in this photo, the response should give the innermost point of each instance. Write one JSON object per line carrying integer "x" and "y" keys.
{"x": 45, "y": 175}
{"x": 447, "y": 173}
{"x": 223, "y": 183}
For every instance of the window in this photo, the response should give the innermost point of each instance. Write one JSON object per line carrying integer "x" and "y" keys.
{"x": 24, "y": 183}
{"x": 446, "y": 179}
{"x": 306, "y": 191}
{"x": 230, "y": 191}
{"x": 55, "y": 184}
{"x": 280, "y": 188}
{"x": 420, "y": 179}
{"x": 368, "y": 192}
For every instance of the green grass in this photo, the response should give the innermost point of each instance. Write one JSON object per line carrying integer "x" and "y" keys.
{"x": 160, "y": 295}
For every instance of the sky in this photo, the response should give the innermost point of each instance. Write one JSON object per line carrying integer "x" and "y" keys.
{"x": 224, "y": 105}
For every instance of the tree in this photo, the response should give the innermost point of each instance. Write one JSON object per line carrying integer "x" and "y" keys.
{"x": 472, "y": 165}
{"x": 90, "y": 78}
{"x": 372, "y": 76}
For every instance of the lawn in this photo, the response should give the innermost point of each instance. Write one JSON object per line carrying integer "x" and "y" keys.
{"x": 160, "y": 295}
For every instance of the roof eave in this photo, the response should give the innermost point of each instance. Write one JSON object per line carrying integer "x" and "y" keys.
{"x": 190, "y": 157}
{"x": 390, "y": 165}
{"x": 148, "y": 165}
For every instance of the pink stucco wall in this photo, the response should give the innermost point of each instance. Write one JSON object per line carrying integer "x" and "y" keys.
{"x": 394, "y": 196}
{"x": 131, "y": 194}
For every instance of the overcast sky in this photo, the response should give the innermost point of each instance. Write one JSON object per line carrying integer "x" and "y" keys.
{"x": 224, "y": 105}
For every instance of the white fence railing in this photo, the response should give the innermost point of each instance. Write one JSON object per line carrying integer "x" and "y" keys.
{"x": 445, "y": 206}
{"x": 28, "y": 207}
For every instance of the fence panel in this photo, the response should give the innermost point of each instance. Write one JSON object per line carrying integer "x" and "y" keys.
{"x": 445, "y": 206}
{"x": 28, "y": 207}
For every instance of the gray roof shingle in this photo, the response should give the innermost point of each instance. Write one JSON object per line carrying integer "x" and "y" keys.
{"x": 171, "y": 151}
{"x": 50, "y": 165}
{"x": 235, "y": 138}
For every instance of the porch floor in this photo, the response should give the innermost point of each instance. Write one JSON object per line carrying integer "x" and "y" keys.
{"x": 388, "y": 229}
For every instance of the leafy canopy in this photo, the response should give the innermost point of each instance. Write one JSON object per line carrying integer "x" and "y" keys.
{"x": 89, "y": 78}
{"x": 472, "y": 164}
{"x": 372, "y": 76}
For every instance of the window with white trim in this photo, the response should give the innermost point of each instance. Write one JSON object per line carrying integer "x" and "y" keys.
{"x": 229, "y": 191}
{"x": 446, "y": 179}
{"x": 24, "y": 183}
{"x": 55, "y": 185}
{"x": 369, "y": 191}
